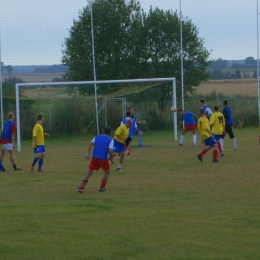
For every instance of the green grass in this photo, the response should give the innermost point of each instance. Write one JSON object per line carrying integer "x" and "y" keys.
{"x": 164, "y": 205}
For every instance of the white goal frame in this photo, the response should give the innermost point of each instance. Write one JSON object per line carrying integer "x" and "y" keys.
{"x": 74, "y": 83}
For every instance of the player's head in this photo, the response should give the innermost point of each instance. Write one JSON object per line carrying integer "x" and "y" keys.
{"x": 216, "y": 108}
{"x": 225, "y": 103}
{"x": 107, "y": 130}
{"x": 128, "y": 114}
{"x": 11, "y": 116}
{"x": 181, "y": 111}
{"x": 40, "y": 118}
{"x": 132, "y": 110}
{"x": 202, "y": 112}
{"x": 128, "y": 123}
{"x": 202, "y": 101}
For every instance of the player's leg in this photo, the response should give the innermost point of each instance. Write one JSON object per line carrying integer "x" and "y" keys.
{"x": 85, "y": 180}
{"x": 36, "y": 158}
{"x": 2, "y": 168}
{"x": 140, "y": 137}
{"x": 106, "y": 168}
{"x": 12, "y": 159}
{"x": 208, "y": 143}
{"x": 127, "y": 148}
{"x": 232, "y": 137}
{"x": 40, "y": 163}
{"x": 194, "y": 136}
{"x": 182, "y": 137}
{"x": 121, "y": 160}
{"x": 215, "y": 152}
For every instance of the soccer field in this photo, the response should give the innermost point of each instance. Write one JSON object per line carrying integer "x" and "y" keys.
{"x": 164, "y": 205}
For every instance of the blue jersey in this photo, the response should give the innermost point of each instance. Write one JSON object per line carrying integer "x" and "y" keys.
{"x": 188, "y": 118}
{"x": 207, "y": 110}
{"x": 102, "y": 144}
{"x": 131, "y": 128}
{"x": 7, "y": 131}
{"x": 228, "y": 115}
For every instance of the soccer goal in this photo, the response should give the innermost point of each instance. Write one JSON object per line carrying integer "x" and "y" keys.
{"x": 85, "y": 107}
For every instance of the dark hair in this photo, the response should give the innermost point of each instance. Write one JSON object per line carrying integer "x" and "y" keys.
{"x": 216, "y": 108}
{"x": 39, "y": 117}
{"x": 180, "y": 109}
{"x": 202, "y": 112}
{"x": 225, "y": 102}
{"x": 202, "y": 100}
{"x": 11, "y": 115}
{"x": 128, "y": 114}
{"x": 107, "y": 130}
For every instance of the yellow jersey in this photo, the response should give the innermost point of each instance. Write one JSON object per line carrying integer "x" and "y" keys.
{"x": 203, "y": 127}
{"x": 123, "y": 131}
{"x": 217, "y": 121}
{"x": 38, "y": 133}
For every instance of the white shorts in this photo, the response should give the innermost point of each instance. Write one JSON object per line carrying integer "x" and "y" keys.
{"x": 8, "y": 147}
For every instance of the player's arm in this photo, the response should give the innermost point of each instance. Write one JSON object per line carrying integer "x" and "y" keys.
{"x": 110, "y": 152}
{"x": 181, "y": 121}
{"x": 89, "y": 147}
{"x": 208, "y": 110}
{"x": 34, "y": 142}
{"x": 225, "y": 114}
{"x": 13, "y": 129}
{"x": 195, "y": 116}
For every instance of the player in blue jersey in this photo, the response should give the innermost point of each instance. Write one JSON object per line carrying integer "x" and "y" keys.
{"x": 103, "y": 146}
{"x": 132, "y": 130}
{"x": 208, "y": 113}
{"x": 190, "y": 125}
{"x": 228, "y": 126}
{"x": 7, "y": 141}
{"x": 137, "y": 130}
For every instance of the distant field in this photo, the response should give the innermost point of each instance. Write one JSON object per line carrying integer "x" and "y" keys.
{"x": 242, "y": 87}
{"x": 34, "y": 77}
{"x": 234, "y": 87}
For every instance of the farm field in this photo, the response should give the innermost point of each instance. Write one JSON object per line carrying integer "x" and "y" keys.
{"x": 164, "y": 205}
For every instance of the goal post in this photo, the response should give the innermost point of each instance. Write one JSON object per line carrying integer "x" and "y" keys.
{"x": 93, "y": 83}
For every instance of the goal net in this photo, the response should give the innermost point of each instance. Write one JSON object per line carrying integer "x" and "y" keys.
{"x": 86, "y": 107}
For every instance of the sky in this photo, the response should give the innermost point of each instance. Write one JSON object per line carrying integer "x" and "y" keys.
{"x": 32, "y": 31}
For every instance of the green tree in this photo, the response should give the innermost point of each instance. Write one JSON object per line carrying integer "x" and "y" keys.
{"x": 132, "y": 44}
{"x": 164, "y": 52}
{"x": 9, "y": 69}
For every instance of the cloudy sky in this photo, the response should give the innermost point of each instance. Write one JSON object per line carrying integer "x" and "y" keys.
{"x": 32, "y": 31}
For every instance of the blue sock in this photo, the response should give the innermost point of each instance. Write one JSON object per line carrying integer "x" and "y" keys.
{"x": 40, "y": 164}
{"x": 35, "y": 160}
{"x": 140, "y": 137}
{"x": 1, "y": 166}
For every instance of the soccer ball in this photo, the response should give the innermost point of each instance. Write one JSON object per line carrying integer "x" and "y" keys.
{"x": 173, "y": 108}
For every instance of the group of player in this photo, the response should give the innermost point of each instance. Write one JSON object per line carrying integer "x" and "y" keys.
{"x": 106, "y": 148}
{"x": 213, "y": 127}
{"x": 8, "y": 138}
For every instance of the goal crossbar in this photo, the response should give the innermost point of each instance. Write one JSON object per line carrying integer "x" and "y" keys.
{"x": 74, "y": 83}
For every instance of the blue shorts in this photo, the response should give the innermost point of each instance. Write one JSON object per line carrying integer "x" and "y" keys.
{"x": 210, "y": 141}
{"x": 118, "y": 147}
{"x": 217, "y": 137}
{"x": 137, "y": 130}
{"x": 39, "y": 149}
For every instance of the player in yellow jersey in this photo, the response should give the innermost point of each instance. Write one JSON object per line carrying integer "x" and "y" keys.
{"x": 207, "y": 136}
{"x": 217, "y": 123}
{"x": 38, "y": 143}
{"x": 120, "y": 138}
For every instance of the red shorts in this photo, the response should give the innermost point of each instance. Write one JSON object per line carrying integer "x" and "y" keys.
{"x": 190, "y": 127}
{"x": 95, "y": 164}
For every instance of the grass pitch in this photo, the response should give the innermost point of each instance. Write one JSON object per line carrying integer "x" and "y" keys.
{"x": 164, "y": 205}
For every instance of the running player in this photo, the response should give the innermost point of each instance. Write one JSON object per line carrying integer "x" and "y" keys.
{"x": 137, "y": 130}
{"x": 190, "y": 125}
{"x": 204, "y": 128}
{"x": 228, "y": 127}
{"x": 217, "y": 122}
{"x": 131, "y": 133}
{"x": 208, "y": 113}
{"x": 120, "y": 138}
{"x": 38, "y": 143}
{"x": 7, "y": 141}
{"x": 103, "y": 146}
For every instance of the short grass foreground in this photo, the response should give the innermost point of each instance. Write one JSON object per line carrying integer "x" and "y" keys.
{"x": 165, "y": 204}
